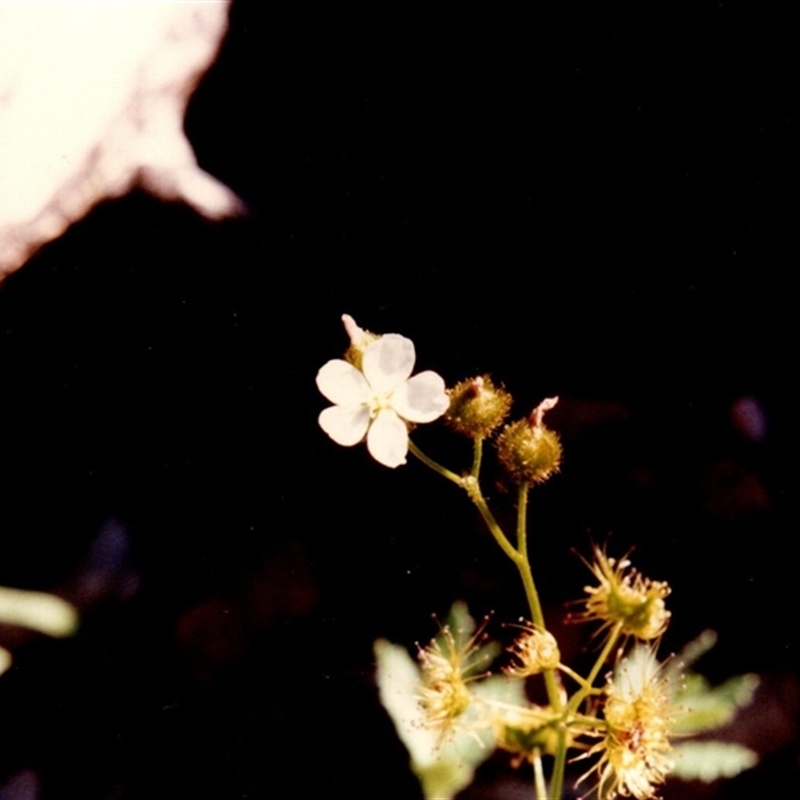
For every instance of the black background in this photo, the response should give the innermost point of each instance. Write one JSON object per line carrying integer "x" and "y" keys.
{"x": 587, "y": 200}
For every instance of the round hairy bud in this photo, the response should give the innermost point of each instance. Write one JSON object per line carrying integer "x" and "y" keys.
{"x": 530, "y": 452}
{"x": 477, "y": 407}
{"x": 534, "y": 651}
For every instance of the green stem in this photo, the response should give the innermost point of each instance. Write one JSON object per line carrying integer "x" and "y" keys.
{"x": 472, "y": 488}
{"x": 477, "y": 454}
{"x": 557, "y": 783}
{"x": 519, "y": 556}
{"x": 474, "y": 492}
{"x": 578, "y": 679}
{"x": 526, "y": 574}
{"x": 581, "y": 694}
{"x": 435, "y": 466}
{"x": 553, "y": 694}
{"x": 525, "y": 569}
{"x": 589, "y": 722}
{"x": 538, "y": 777}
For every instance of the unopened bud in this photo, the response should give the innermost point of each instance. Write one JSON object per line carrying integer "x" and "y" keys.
{"x": 477, "y": 407}
{"x": 529, "y": 451}
{"x": 534, "y": 651}
{"x": 360, "y": 340}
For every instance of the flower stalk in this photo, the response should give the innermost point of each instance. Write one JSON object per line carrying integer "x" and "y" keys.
{"x": 624, "y": 722}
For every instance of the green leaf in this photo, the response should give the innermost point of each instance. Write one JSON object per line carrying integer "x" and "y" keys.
{"x": 697, "y": 648}
{"x": 703, "y": 707}
{"x": 707, "y": 708}
{"x": 710, "y": 761}
{"x": 462, "y": 627}
{"x": 444, "y": 767}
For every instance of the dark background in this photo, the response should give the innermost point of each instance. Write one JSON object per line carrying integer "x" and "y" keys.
{"x": 587, "y": 200}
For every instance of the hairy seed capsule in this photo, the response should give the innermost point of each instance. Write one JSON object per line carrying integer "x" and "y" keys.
{"x": 477, "y": 407}
{"x": 529, "y": 451}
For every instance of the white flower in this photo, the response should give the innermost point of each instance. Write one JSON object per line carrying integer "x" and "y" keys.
{"x": 380, "y": 399}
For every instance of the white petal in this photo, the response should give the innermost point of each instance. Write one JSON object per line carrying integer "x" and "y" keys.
{"x": 422, "y": 398}
{"x": 387, "y": 439}
{"x": 388, "y": 362}
{"x": 358, "y": 336}
{"x": 346, "y": 425}
{"x": 343, "y": 384}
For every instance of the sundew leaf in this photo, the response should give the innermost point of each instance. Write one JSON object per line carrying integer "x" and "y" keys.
{"x": 707, "y": 708}
{"x": 462, "y": 627}
{"x": 443, "y": 766}
{"x": 502, "y": 689}
{"x": 710, "y": 761}
{"x": 697, "y": 648}
{"x": 703, "y": 707}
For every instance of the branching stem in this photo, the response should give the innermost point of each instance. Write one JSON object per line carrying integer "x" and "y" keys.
{"x": 519, "y": 555}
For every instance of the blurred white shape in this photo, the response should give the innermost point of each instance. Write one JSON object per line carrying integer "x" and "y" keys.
{"x": 446, "y": 765}
{"x": 749, "y": 419}
{"x": 92, "y": 101}
{"x": 39, "y": 611}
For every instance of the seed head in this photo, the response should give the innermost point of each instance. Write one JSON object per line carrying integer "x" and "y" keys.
{"x": 530, "y": 452}
{"x": 477, "y": 407}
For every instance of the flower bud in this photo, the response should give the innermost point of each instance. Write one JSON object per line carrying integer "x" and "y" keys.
{"x": 534, "y": 651}
{"x": 477, "y": 407}
{"x": 530, "y": 452}
{"x": 360, "y": 340}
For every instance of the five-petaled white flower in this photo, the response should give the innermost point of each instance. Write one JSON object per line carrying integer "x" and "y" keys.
{"x": 380, "y": 399}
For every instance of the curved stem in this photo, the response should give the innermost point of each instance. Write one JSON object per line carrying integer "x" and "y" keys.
{"x": 522, "y": 549}
{"x": 475, "y": 494}
{"x": 535, "y": 604}
{"x": 435, "y": 466}
{"x": 583, "y": 693}
{"x": 472, "y": 487}
{"x": 519, "y": 556}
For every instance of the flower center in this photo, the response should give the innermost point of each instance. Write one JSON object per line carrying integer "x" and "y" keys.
{"x": 378, "y": 403}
